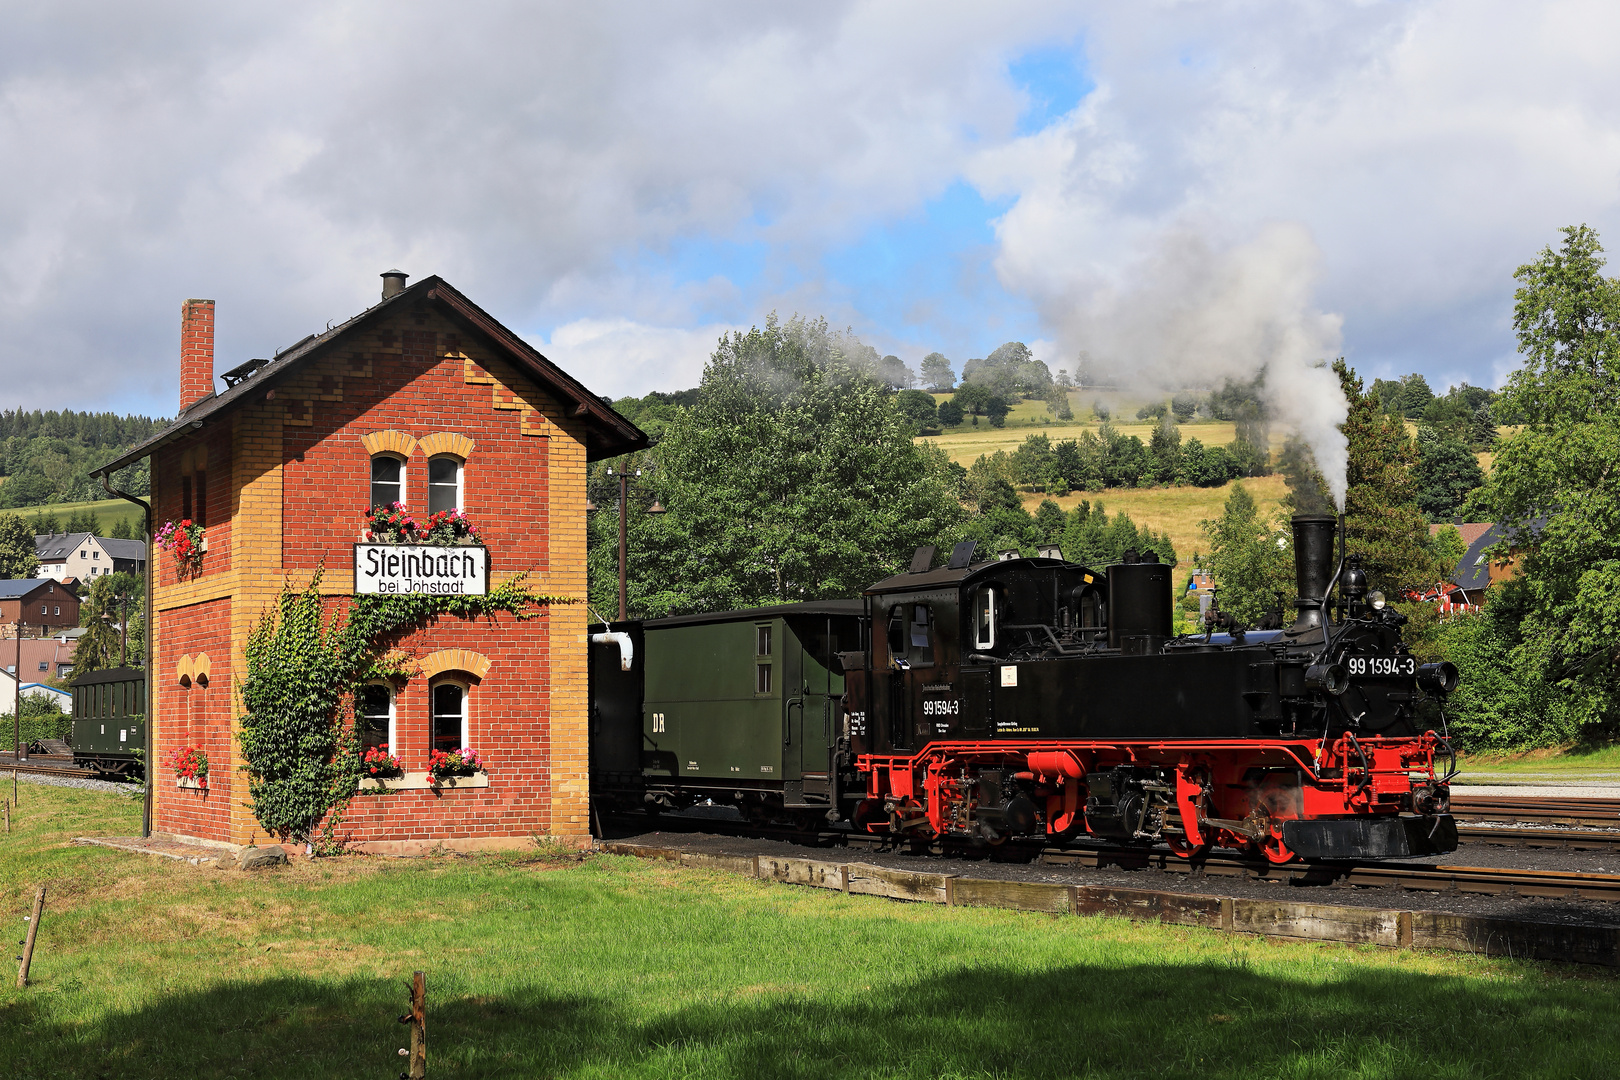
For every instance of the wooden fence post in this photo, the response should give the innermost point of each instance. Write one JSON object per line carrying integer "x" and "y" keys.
{"x": 417, "y": 1018}
{"x": 27, "y": 956}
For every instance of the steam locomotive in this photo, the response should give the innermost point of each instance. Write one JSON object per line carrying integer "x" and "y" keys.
{"x": 1035, "y": 699}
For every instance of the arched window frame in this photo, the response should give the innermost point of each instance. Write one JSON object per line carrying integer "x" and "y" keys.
{"x": 434, "y": 488}
{"x": 465, "y": 686}
{"x": 404, "y": 470}
{"x": 393, "y": 715}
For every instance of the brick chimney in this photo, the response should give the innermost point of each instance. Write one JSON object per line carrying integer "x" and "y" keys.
{"x": 196, "y": 352}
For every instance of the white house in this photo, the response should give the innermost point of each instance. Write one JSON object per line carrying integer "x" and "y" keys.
{"x": 86, "y": 556}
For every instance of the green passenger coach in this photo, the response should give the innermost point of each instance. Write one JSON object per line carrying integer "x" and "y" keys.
{"x": 109, "y": 721}
{"x": 738, "y": 707}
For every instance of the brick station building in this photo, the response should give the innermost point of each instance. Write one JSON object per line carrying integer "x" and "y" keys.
{"x": 425, "y": 398}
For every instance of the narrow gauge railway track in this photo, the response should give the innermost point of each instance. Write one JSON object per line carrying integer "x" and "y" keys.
{"x": 1487, "y": 880}
{"x": 1567, "y": 839}
{"x": 34, "y": 767}
{"x": 1512, "y": 810}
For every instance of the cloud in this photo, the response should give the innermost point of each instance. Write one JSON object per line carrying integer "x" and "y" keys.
{"x": 561, "y": 163}
{"x": 618, "y": 357}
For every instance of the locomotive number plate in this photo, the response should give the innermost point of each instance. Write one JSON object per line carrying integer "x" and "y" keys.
{"x": 1380, "y": 667}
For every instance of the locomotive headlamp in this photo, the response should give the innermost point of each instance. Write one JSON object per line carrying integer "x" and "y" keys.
{"x": 1441, "y": 678}
{"x": 1327, "y": 679}
{"x": 1376, "y": 599}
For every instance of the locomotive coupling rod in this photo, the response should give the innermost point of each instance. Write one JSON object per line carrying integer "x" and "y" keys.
{"x": 1243, "y": 827}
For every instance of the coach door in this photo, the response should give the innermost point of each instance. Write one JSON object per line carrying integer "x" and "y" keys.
{"x": 811, "y": 702}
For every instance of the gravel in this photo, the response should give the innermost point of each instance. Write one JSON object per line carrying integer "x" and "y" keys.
{"x": 76, "y": 782}
{"x": 1533, "y": 909}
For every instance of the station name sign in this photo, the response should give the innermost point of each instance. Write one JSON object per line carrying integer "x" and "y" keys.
{"x": 398, "y": 569}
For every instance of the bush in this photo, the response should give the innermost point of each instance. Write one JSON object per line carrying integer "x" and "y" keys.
{"x": 917, "y": 406}
{"x": 42, "y": 718}
{"x": 949, "y": 413}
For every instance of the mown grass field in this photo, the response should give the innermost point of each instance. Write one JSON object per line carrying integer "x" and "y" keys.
{"x": 614, "y": 967}
{"x": 1175, "y": 510}
{"x": 964, "y": 444}
{"x": 109, "y": 511}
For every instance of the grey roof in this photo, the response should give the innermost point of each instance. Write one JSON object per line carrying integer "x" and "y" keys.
{"x": 51, "y": 547}
{"x": 608, "y": 433}
{"x": 1474, "y": 569}
{"x": 12, "y": 588}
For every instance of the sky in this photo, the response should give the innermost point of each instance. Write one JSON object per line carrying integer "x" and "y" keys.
{"x": 1176, "y": 190}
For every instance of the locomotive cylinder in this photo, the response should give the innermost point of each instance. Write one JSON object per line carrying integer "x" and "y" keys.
{"x": 1138, "y": 606}
{"x": 1313, "y": 567}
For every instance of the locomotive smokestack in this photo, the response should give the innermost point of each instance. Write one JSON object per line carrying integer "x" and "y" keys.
{"x": 1313, "y": 567}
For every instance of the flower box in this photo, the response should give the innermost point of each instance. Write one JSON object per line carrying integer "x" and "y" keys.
{"x": 423, "y": 781}
{"x": 188, "y": 782}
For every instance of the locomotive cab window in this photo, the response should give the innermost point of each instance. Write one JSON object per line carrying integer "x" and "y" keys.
{"x": 762, "y": 641}
{"x": 921, "y": 634}
{"x": 377, "y": 717}
{"x": 984, "y": 619}
{"x": 897, "y": 631}
{"x": 387, "y": 481}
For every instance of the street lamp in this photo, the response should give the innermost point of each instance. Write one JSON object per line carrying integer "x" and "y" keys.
{"x": 655, "y": 508}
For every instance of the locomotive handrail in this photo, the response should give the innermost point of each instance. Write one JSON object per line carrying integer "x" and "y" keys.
{"x": 787, "y": 719}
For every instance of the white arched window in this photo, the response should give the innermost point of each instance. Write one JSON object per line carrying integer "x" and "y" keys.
{"x": 444, "y": 483}
{"x": 387, "y": 480}
{"x": 449, "y": 731}
{"x": 376, "y": 709}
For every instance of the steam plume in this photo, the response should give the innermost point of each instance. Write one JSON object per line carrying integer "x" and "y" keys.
{"x": 1189, "y": 316}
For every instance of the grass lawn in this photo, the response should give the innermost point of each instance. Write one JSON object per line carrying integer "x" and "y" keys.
{"x": 1563, "y": 760}
{"x": 109, "y": 511}
{"x": 614, "y": 967}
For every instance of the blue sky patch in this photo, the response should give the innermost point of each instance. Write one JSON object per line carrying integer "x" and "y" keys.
{"x": 1055, "y": 80}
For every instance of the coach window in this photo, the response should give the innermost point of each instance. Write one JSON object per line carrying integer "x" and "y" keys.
{"x": 449, "y": 716}
{"x": 984, "y": 619}
{"x": 387, "y": 481}
{"x": 763, "y": 661}
{"x": 377, "y": 718}
{"x": 444, "y": 484}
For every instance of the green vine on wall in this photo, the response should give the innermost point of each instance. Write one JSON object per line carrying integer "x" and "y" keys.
{"x": 299, "y": 733}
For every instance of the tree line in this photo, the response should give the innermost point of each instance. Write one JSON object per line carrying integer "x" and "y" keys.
{"x": 48, "y": 456}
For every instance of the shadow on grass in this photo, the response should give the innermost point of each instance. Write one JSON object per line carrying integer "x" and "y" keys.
{"x": 1211, "y": 1019}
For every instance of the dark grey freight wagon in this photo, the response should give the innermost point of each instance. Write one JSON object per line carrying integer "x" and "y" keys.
{"x": 109, "y": 721}
{"x": 738, "y": 707}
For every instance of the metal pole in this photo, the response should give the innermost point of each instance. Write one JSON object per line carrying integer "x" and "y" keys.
{"x": 624, "y": 491}
{"x": 16, "y": 708}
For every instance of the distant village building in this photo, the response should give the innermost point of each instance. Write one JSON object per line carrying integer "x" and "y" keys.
{"x": 426, "y": 400}
{"x": 1468, "y": 585}
{"x": 42, "y": 658}
{"x": 42, "y": 606}
{"x": 86, "y": 556}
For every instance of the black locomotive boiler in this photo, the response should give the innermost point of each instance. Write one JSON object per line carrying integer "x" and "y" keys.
{"x": 1036, "y": 698}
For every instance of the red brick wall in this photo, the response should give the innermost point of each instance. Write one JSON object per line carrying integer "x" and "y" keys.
{"x": 199, "y": 716}
{"x": 411, "y": 387}
{"x": 167, "y": 500}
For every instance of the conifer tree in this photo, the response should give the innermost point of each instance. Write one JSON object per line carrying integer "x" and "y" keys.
{"x": 1382, "y": 520}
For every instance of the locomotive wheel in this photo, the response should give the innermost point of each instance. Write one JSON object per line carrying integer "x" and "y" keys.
{"x": 1184, "y": 850}
{"x": 1275, "y": 850}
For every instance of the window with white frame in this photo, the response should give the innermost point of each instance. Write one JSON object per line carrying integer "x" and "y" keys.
{"x": 387, "y": 480}
{"x": 449, "y": 731}
{"x": 984, "y": 619}
{"x": 444, "y": 483}
{"x": 377, "y": 718}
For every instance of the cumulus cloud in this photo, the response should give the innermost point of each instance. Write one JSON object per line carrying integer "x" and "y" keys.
{"x": 580, "y": 167}
{"x": 619, "y": 357}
